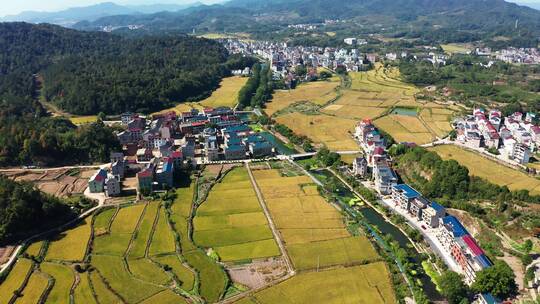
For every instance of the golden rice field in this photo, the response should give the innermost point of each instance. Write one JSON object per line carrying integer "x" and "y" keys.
{"x": 319, "y": 93}
{"x": 459, "y": 48}
{"x": 225, "y": 96}
{"x": 358, "y": 284}
{"x": 71, "y": 245}
{"x": 488, "y": 169}
{"x": 231, "y": 221}
{"x": 313, "y": 230}
{"x": 372, "y": 94}
{"x": 83, "y": 120}
{"x": 334, "y": 132}
{"x": 405, "y": 128}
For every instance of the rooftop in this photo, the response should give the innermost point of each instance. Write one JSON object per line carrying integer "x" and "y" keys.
{"x": 407, "y": 190}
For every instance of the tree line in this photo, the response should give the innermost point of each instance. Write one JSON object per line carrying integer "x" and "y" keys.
{"x": 258, "y": 89}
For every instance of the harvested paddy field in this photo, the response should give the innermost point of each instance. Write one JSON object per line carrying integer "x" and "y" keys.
{"x": 319, "y": 93}
{"x": 488, "y": 169}
{"x": 359, "y": 284}
{"x": 224, "y": 96}
{"x": 232, "y": 223}
{"x": 58, "y": 182}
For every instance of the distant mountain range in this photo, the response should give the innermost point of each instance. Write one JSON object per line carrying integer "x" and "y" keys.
{"x": 535, "y": 5}
{"x": 450, "y": 20}
{"x": 73, "y": 15}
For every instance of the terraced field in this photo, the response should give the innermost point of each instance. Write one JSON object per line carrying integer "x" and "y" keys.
{"x": 231, "y": 221}
{"x": 373, "y": 94}
{"x": 135, "y": 256}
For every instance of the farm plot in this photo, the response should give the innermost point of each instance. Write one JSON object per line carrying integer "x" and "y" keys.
{"x": 232, "y": 222}
{"x": 71, "y": 245}
{"x": 334, "y": 132}
{"x": 140, "y": 243}
{"x": 15, "y": 279}
{"x": 63, "y": 281}
{"x": 116, "y": 242}
{"x": 101, "y": 290}
{"x": 437, "y": 120}
{"x": 489, "y": 170}
{"x": 163, "y": 237}
{"x": 318, "y": 93}
{"x": 114, "y": 271}
{"x": 345, "y": 251}
{"x": 212, "y": 278}
{"x": 404, "y": 128}
{"x": 224, "y": 96}
{"x": 182, "y": 273}
{"x": 34, "y": 289}
{"x": 57, "y": 182}
{"x": 359, "y": 284}
{"x": 83, "y": 292}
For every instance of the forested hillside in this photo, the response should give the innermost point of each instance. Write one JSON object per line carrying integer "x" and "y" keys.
{"x": 86, "y": 73}
{"x": 24, "y": 209}
{"x": 430, "y": 20}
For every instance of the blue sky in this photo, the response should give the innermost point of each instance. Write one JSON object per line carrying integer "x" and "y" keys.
{"x": 9, "y": 7}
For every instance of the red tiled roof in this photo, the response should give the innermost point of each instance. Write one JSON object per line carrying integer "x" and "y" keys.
{"x": 471, "y": 243}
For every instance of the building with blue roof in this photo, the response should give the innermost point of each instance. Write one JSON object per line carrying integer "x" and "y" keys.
{"x": 454, "y": 226}
{"x": 403, "y": 195}
{"x": 487, "y": 298}
{"x": 235, "y": 152}
{"x": 432, "y": 214}
{"x": 260, "y": 149}
{"x": 483, "y": 261}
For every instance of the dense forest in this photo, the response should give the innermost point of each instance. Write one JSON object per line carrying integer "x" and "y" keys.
{"x": 24, "y": 209}
{"x": 89, "y": 72}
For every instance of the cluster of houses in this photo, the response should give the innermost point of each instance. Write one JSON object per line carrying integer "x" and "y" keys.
{"x": 515, "y": 137}
{"x": 375, "y": 158}
{"x": 156, "y": 147}
{"x": 108, "y": 180}
{"x": 455, "y": 239}
{"x": 519, "y": 55}
{"x": 284, "y": 58}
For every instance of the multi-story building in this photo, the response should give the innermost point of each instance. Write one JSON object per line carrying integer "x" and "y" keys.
{"x": 384, "y": 177}
{"x": 360, "y": 167}
{"x": 118, "y": 168}
{"x": 165, "y": 173}
{"x": 432, "y": 214}
{"x": 403, "y": 195}
{"x": 97, "y": 181}
{"x": 417, "y": 207}
{"x": 112, "y": 186}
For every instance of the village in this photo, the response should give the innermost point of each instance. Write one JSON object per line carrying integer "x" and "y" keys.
{"x": 445, "y": 234}
{"x": 153, "y": 149}
{"x": 513, "y": 139}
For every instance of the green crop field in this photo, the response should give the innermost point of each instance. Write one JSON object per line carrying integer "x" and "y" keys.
{"x": 83, "y": 292}
{"x": 184, "y": 274}
{"x": 359, "y": 284}
{"x": 34, "y": 249}
{"x": 103, "y": 293}
{"x": 148, "y": 271}
{"x": 345, "y": 251}
{"x": 102, "y": 221}
{"x": 14, "y": 279}
{"x": 213, "y": 279}
{"x": 113, "y": 244}
{"x": 63, "y": 281}
{"x": 163, "y": 237}
{"x": 221, "y": 222}
{"x": 115, "y": 273}
{"x": 165, "y": 297}
{"x": 71, "y": 244}
{"x": 140, "y": 242}
{"x": 34, "y": 289}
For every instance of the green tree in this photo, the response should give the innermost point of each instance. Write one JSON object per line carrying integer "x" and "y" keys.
{"x": 498, "y": 280}
{"x": 452, "y": 287}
